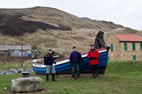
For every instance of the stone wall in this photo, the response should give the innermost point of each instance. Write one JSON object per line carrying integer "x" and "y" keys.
{"x": 128, "y": 55}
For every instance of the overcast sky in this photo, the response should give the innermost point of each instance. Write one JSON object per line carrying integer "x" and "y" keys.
{"x": 125, "y": 12}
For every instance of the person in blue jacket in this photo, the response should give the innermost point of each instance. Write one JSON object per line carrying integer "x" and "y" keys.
{"x": 48, "y": 61}
{"x": 75, "y": 60}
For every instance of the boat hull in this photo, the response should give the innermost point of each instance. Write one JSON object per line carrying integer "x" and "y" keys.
{"x": 63, "y": 66}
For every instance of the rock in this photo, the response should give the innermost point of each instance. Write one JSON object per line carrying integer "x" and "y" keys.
{"x": 20, "y": 70}
{"x": 29, "y": 70}
{"x": 2, "y": 73}
{"x": 27, "y": 84}
{"x": 13, "y": 71}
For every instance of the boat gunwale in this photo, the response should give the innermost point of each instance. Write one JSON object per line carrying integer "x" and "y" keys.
{"x": 81, "y": 54}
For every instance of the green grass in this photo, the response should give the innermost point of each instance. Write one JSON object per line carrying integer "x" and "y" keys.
{"x": 14, "y": 65}
{"x": 123, "y": 77}
{"x": 5, "y": 81}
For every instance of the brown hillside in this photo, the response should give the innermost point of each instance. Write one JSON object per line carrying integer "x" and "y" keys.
{"x": 29, "y": 20}
{"x": 52, "y": 28}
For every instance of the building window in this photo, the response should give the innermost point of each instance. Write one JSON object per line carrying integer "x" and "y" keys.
{"x": 134, "y": 57}
{"x": 141, "y": 46}
{"x": 133, "y": 46}
{"x": 111, "y": 47}
{"x": 125, "y": 46}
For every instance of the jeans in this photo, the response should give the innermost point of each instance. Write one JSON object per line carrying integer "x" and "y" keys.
{"x": 75, "y": 69}
{"x": 50, "y": 68}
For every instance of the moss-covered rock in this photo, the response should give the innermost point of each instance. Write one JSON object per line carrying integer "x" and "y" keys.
{"x": 27, "y": 84}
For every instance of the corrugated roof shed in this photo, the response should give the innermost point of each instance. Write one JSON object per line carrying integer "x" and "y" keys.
{"x": 13, "y": 47}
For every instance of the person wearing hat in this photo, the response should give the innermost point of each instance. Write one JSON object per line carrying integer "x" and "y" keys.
{"x": 75, "y": 60}
{"x": 93, "y": 56}
{"x": 36, "y": 54}
{"x": 49, "y": 61}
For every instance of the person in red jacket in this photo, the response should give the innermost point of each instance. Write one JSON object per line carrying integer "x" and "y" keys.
{"x": 93, "y": 56}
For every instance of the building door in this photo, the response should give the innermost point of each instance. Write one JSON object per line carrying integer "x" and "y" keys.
{"x": 134, "y": 57}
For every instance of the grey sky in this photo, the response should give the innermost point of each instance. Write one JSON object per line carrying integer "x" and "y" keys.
{"x": 125, "y": 12}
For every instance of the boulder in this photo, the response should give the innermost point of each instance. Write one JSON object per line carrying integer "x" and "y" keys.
{"x": 20, "y": 70}
{"x": 2, "y": 73}
{"x": 27, "y": 84}
{"x": 13, "y": 71}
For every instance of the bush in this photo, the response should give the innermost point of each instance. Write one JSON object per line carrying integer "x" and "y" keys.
{"x": 62, "y": 27}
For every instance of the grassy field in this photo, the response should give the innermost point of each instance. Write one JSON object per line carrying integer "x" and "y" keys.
{"x": 4, "y": 65}
{"x": 123, "y": 77}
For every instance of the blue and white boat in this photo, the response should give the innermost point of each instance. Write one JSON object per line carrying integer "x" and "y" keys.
{"x": 63, "y": 65}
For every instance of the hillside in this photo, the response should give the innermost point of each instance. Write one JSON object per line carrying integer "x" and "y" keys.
{"x": 46, "y": 28}
{"x": 31, "y": 19}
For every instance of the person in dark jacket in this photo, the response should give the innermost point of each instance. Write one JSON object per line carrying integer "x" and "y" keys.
{"x": 49, "y": 61}
{"x": 75, "y": 60}
{"x": 99, "y": 41}
{"x": 93, "y": 56}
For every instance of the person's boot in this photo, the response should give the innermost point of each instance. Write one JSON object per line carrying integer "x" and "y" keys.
{"x": 47, "y": 77}
{"x": 78, "y": 76}
{"x": 53, "y": 77}
{"x": 73, "y": 77}
{"x": 96, "y": 75}
{"x": 93, "y": 75}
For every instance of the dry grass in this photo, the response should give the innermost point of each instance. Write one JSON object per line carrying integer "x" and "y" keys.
{"x": 60, "y": 41}
{"x": 82, "y": 35}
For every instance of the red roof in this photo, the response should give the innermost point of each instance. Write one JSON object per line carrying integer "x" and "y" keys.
{"x": 129, "y": 37}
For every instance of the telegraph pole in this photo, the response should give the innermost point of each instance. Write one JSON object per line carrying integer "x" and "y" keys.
{"x": 22, "y": 51}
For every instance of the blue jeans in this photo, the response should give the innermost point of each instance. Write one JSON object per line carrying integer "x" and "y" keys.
{"x": 75, "y": 69}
